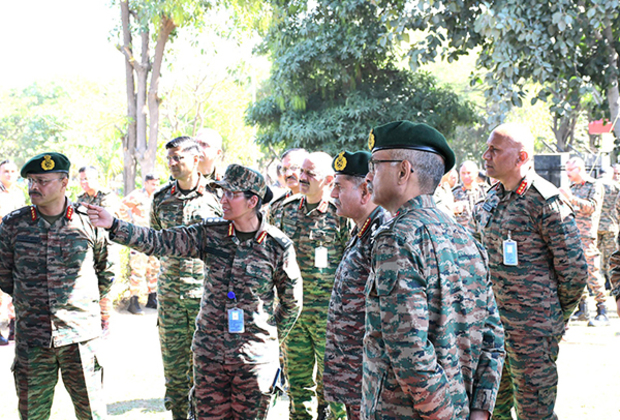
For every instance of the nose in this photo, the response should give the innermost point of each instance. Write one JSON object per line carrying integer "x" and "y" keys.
{"x": 486, "y": 155}
{"x": 334, "y": 193}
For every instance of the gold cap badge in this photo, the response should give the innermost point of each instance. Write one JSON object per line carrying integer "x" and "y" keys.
{"x": 341, "y": 162}
{"x": 47, "y": 164}
{"x": 371, "y": 140}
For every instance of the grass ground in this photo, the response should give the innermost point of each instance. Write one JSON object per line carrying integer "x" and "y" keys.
{"x": 588, "y": 364}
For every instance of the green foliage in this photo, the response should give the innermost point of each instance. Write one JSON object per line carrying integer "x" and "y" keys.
{"x": 332, "y": 81}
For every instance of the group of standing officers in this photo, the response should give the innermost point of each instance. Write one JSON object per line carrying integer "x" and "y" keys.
{"x": 363, "y": 277}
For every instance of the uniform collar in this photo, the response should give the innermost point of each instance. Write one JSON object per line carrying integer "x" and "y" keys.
{"x": 322, "y": 207}
{"x": 200, "y": 190}
{"x": 68, "y": 212}
{"x": 261, "y": 233}
{"x": 371, "y": 223}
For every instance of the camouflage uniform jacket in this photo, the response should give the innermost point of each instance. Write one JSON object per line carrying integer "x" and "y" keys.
{"x": 471, "y": 197}
{"x": 344, "y": 347}
{"x": 433, "y": 347}
{"x": 587, "y": 205}
{"x": 444, "y": 199}
{"x": 275, "y": 207}
{"x": 539, "y": 294}
{"x": 614, "y": 275}
{"x": 309, "y": 230}
{"x": 106, "y": 199}
{"x": 609, "y": 211}
{"x": 136, "y": 207}
{"x": 253, "y": 270}
{"x": 182, "y": 278}
{"x": 10, "y": 199}
{"x": 55, "y": 274}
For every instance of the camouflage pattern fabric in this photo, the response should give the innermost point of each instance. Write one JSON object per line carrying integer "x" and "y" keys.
{"x": 608, "y": 225}
{"x": 305, "y": 347}
{"x": 35, "y": 371}
{"x": 587, "y": 204}
{"x": 109, "y": 201}
{"x": 179, "y": 287}
{"x": 470, "y": 198}
{"x": 136, "y": 208}
{"x": 614, "y": 274}
{"x": 529, "y": 378}
{"x": 253, "y": 270}
{"x": 56, "y": 275}
{"x": 344, "y": 347}
{"x": 536, "y": 297}
{"x": 274, "y": 210}
{"x": 444, "y": 199}
{"x": 434, "y": 343}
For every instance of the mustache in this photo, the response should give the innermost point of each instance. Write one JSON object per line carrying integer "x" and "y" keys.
{"x": 291, "y": 177}
{"x": 31, "y": 193}
{"x": 304, "y": 182}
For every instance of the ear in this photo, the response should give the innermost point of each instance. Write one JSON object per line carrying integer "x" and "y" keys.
{"x": 405, "y": 171}
{"x": 523, "y": 156}
{"x": 329, "y": 179}
{"x": 253, "y": 201}
{"x": 365, "y": 195}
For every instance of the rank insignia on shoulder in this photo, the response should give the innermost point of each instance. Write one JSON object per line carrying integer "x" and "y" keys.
{"x": 487, "y": 206}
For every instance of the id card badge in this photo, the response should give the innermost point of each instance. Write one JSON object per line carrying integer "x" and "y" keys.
{"x": 510, "y": 253}
{"x": 235, "y": 321}
{"x": 320, "y": 257}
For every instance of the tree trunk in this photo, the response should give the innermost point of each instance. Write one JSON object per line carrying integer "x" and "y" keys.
{"x": 613, "y": 96}
{"x": 129, "y": 140}
{"x": 142, "y": 70}
{"x": 147, "y": 159}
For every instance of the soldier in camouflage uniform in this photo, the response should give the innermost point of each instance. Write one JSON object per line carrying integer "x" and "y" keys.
{"x": 11, "y": 198}
{"x": 248, "y": 262}
{"x": 290, "y": 166}
{"x": 55, "y": 264}
{"x": 136, "y": 209}
{"x": 433, "y": 346}
{"x": 93, "y": 194}
{"x": 586, "y": 195}
{"x": 468, "y": 193}
{"x": 185, "y": 201}
{"x": 538, "y": 270}
{"x": 342, "y": 377}
{"x": 320, "y": 236}
{"x": 608, "y": 225}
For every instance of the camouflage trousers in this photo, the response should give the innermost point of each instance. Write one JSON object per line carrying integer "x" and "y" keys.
{"x": 176, "y": 319}
{"x": 232, "y": 391}
{"x": 595, "y": 279}
{"x": 304, "y": 349}
{"x": 144, "y": 270}
{"x": 353, "y": 412}
{"x": 35, "y": 370}
{"x": 529, "y": 378}
{"x": 607, "y": 244}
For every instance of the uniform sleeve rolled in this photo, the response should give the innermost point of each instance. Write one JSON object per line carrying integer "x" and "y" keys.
{"x": 560, "y": 231}
{"x": 589, "y": 205}
{"x": 289, "y": 285}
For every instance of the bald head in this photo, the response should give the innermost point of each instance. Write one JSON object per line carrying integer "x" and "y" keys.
{"x": 468, "y": 173}
{"x": 322, "y": 163}
{"x": 519, "y": 135}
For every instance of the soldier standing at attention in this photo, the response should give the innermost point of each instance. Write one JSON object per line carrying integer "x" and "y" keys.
{"x": 55, "y": 264}
{"x": 538, "y": 271}
{"x": 468, "y": 193}
{"x": 433, "y": 346}
{"x": 136, "y": 209}
{"x": 239, "y": 326}
{"x": 607, "y": 238}
{"x": 290, "y": 168}
{"x": 586, "y": 195}
{"x": 319, "y": 235}
{"x": 342, "y": 377}
{"x": 182, "y": 202}
{"x": 11, "y": 198}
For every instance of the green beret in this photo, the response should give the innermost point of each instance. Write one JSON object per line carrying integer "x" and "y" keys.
{"x": 46, "y": 163}
{"x": 240, "y": 178}
{"x": 354, "y": 164}
{"x": 409, "y": 135}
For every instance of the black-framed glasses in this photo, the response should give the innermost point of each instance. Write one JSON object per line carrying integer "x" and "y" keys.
{"x": 176, "y": 158}
{"x": 41, "y": 182}
{"x": 372, "y": 163}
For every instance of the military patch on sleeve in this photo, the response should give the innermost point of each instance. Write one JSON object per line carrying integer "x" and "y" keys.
{"x": 214, "y": 221}
{"x": 16, "y": 214}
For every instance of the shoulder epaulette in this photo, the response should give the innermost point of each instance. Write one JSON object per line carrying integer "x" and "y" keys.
{"x": 292, "y": 199}
{"x": 214, "y": 221}
{"x": 16, "y": 214}
{"x": 546, "y": 189}
{"x": 281, "y": 197}
{"x": 163, "y": 189}
{"x": 279, "y": 236}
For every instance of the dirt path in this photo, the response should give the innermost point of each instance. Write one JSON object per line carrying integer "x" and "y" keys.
{"x": 589, "y": 366}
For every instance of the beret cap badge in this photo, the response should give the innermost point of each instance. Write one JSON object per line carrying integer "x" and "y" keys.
{"x": 47, "y": 164}
{"x": 371, "y": 140}
{"x": 341, "y": 162}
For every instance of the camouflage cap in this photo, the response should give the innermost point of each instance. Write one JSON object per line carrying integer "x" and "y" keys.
{"x": 46, "y": 163}
{"x": 354, "y": 164}
{"x": 241, "y": 178}
{"x": 409, "y": 135}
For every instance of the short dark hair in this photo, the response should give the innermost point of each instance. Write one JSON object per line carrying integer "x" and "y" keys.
{"x": 150, "y": 177}
{"x": 88, "y": 169}
{"x": 185, "y": 143}
{"x": 5, "y": 161}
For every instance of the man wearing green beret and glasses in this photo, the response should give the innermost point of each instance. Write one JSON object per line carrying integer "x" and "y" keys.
{"x": 247, "y": 264}
{"x": 433, "y": 346}
{"x": 55, "y": 264}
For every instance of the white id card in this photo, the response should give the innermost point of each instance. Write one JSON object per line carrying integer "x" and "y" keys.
{"x": 320, "y": 257}
{"x": 235, "y": 321}
{"x": 510, "y": 253}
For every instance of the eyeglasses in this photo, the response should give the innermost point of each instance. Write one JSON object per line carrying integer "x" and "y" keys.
{"x": 372, "y": 163}
{"x": 175, "y": 159}
{"x": 292, "y": 168}
{"x": 232, "y": 195}
{"x": 41, "y": 182}
{"x": 309, "y": 174}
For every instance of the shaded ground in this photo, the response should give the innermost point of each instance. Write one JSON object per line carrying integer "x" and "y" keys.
{"x": 589, "y": 366}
